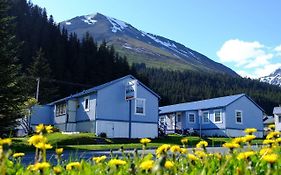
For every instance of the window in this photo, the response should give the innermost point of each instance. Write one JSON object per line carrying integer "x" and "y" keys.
{"x": 140, "y": 106}
{"x": 238, "y": 116}
{"x": 279, "y": 118}
{"x": 87, "y": 103}
{"x": 218, "y": 117}
{"x": 191, "y": 118}
{"x": 205, "y": 117}
{"x": 60, "y": 109}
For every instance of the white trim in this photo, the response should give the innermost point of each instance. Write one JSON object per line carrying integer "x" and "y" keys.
{"x": 189, "y": 117}
{"x": 208, "y": 117}
{"x": 215, "y": 116}
{"x": 86, "y": 108}
{"x": 236, "y": 117}
{"x": 141, "y": 99}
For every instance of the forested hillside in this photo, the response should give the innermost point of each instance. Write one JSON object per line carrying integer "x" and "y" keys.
{"x": 67, "y": 65}
{"x": 175, "y": 87}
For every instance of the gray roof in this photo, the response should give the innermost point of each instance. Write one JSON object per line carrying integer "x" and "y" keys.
{"x": 269, "y": 120}
{"x": 97, "y": 88}
{"x": 277, "y": 110}
{"x": 203, "y": 104}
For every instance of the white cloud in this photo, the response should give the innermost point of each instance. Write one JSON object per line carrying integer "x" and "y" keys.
{"x": 260, "y": 61}
{"x": 240, "y": 52}
{"x": 266, "y": 70}
{"x": 278, "y": 50}
{"x": 250, "y": 59}
{"x": 245, "y": 74}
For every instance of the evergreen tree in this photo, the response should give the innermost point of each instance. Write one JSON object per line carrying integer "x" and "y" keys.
{"x": 40, "y": 70}
{"x": 11, "y": 92}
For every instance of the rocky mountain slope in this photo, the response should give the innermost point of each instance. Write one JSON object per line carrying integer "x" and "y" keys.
{"x": 274, "y": 78}
{"x": 143, "y": 47}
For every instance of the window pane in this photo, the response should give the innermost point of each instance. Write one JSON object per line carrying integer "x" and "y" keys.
{"x": 191, "y": 118}
{"x": 238, "y": 120}
{"x": 140, "y": 105}
{"x": 206, "y": 117}
{"x": 279, "y": 117}
{"x": 217, "y": 116}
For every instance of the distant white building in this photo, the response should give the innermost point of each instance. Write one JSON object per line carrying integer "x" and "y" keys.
{"x": 277, "y": 118}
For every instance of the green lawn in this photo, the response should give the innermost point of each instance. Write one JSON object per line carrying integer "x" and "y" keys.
{"x": 88, "y": 141}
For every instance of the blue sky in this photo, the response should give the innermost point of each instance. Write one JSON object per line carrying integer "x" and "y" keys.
{"x": 244, "y": 35}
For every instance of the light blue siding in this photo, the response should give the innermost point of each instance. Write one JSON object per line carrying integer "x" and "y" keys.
{"x": 82, "y": 114}
{"x": 42, "y": 114}
{"x": 151, "y": 106}
{"x": 111, "y": 104}
{"x": 252, "y": 115}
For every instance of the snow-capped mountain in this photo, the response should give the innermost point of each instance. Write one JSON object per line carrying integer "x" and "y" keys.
{"x": 142, "y": 47}
{"x": 274, "y": 78}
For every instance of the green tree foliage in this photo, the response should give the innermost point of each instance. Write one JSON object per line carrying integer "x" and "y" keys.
{"x": 176, "y": 87}
{"x": 11, "y": 93}
{"x": 40, "y": 68}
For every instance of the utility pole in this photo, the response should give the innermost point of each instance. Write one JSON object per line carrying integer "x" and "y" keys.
{"x": 37, "y": 89}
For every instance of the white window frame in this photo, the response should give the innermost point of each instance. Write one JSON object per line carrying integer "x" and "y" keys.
{"x": 189, "y": 117}
{"x": 60, "y": 109}
{"x": 85, "y": 107}
{"x": 144, "y": 104}
{"x": 215, "y": 116}
{"x": 236, "y": 111}
{"x": 208, "y": 117}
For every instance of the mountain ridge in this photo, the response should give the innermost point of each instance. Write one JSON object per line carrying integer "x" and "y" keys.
{"x": 274, "y": 78}
{"x": 143, "y": 47}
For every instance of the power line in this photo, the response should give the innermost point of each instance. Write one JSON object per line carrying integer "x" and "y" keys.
{"x": 59, "y": 81}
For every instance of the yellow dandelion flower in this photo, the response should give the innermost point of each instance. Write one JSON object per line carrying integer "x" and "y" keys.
{"x": 238, "y": 140}
{"x": 34, "y": 140}
{"x": 270, "y": 158}
{"x": 43, "y": 146}
{"x": 183, "y": 151}
{"x": 116, "y": 162}
{"x": 202, "y": 144}
{"x": 231, "y": 145}
{"x": 99, "y": 159}
{"x": 250, "y": 130}
{"x": 184, "y": 141}
{"x": 278, "y": 140}
{"x": 192, "y": 157}
{"x": 147, "y": 165}
{"x": 41, "y": 166}
{"x": 30, "y": 168}
{"x": 57, "y": 170}
{"x": 245, "y": 155}
{"x": 7, "y": 141}
{"x": 73, "y": 165}
{"x": 264, "y": 151}
{"x": 16, "y": 155}
{"x": 273, "y": 134}
{"x": 49, "y": 129}
{"x": 145, "y": 141}
{"x": 175, "y": 149}
{"x": 59, "y": 151}
{"x": 200, "y": 154}
{"x": 217, "y": 155}
{"x": 271, "y": 126}
{"x": 162, "y": 149}
{"x": 249, "y": 138}
{"x": 169, "y": 164}
{"x": 39, "y": 128}
{"x": 268, "y": 142}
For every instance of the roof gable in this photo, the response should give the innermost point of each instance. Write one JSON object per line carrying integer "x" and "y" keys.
{"x": 202, "y": 104}
{"x": 97, "y": 88}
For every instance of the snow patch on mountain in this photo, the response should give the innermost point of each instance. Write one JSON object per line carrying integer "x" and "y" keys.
{"x": 116, "y": 24}
{"x": 274, "y": 78}
{"x": 89, "y": 19}
{"x": 68, "y": 23}
{"x": 166, "y": 44}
